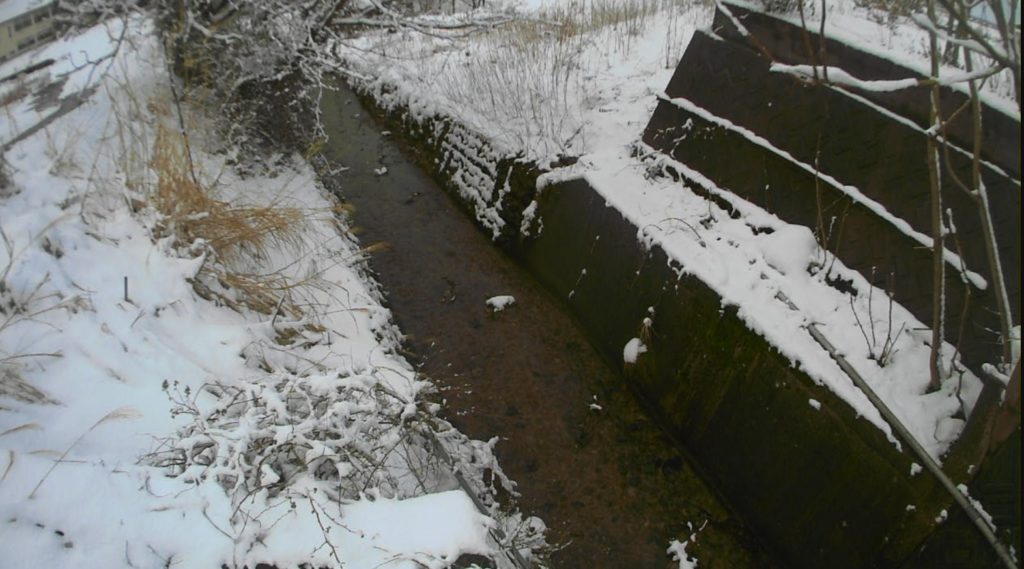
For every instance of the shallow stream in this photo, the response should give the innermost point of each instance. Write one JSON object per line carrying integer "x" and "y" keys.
{"x": 613, "y": 489}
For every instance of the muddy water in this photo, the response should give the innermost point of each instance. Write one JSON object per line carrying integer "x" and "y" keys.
{"x": 611, "y": 487}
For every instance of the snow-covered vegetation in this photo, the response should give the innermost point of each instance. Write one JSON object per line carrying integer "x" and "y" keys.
{"x": 196, "y": 370}
{"x": 192, "y": 355}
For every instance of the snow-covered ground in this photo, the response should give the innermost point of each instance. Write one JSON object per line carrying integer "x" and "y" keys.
{"x": 145, "y": 425}
{"x": 587, "y": 88}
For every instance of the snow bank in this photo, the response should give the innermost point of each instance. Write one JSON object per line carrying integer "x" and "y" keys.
{"x": 101, "y": 317}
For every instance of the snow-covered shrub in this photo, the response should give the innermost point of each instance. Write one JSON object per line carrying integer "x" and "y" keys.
{"x": 341, "y": 436}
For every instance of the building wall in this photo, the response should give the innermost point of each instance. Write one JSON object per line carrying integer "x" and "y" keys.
{"x": 26, "y": 31}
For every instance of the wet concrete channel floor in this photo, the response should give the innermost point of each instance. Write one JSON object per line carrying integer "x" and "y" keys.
{"x": 612, "y": 487}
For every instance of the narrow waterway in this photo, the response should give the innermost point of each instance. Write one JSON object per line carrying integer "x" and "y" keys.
{"x": 613, "y": 489}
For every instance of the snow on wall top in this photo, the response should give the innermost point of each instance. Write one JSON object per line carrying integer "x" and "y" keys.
{"x": 904, "y": 43}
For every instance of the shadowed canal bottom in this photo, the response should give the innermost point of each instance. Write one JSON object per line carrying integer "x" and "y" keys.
{"x": 613, "y": 489}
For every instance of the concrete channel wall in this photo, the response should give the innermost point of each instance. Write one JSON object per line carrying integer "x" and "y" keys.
{"x": 787, "y": 44}
{"x": 882, "y": 157}
{"x": 821, "y": 488}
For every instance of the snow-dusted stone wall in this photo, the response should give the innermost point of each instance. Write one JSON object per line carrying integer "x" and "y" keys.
{"x": 494, "y": 184}
{"x": 812, "y": 154}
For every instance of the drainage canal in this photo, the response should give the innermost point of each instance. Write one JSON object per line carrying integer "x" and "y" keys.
{"x": 612, "y": 488}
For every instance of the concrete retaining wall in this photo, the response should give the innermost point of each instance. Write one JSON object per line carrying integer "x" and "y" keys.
{"x": 785, "y": 42}
{"x": 855, "y": 144}
{"x": 822, "y": 488}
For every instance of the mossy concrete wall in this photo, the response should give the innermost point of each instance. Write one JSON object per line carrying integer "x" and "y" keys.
{"x": 481, "y": 177}
{"x": 821, "y": 488}
{"x": 824, "y": 488}
{"x": 852, "y": 142}
{"x": 787, "y": 43}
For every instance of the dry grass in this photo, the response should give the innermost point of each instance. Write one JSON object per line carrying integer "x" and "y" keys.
{"x": 13, "y": 386}
{"x": 191, "y": 213}
{"x": 238, "y": 239}
{"x": 528, "y": 75}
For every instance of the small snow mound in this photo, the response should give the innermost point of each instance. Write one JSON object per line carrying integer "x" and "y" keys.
{"x": 789, "y": 249}
{"x": 948, "y": 428}
{"x": 814, "y": 403}
{"x": 380, "y": 171}
{"x": 501, "y": 302}
{"x": 442, "y": 525}
{"x": 632, "y": 350}
{"x": 677, "y": 550}
{"x": 915, "y": 469}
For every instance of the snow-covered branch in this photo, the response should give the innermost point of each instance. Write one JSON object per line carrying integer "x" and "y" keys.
{"x": 977, "y": 42}
{"x": 837, "y": 76}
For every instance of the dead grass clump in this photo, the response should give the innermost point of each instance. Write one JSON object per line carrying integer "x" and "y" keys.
{"x": 236, "y": 237}
{"x": 191, "y": 213}
{"x": 268, "y": 294}
{"x": 13, "y": 386}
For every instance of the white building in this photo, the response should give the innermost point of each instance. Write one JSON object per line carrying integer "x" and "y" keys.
{"x": 25, "y": 24}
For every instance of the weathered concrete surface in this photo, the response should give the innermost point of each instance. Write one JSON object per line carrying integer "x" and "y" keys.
{"x": 880, "y": 155}
{"x": 785, "y": 42}
{"x": 822, "y": 488}
{"x": 858, "y": 146}
{"x": 955, "y": 544}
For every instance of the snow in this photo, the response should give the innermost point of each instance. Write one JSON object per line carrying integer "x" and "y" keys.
{"x": 132, "y": 379}
{"x": 427, "y": 531}
{"x": 632, "y": 350}
{"x": 677, "y": 550}
{"x": 500, "y": 302}
{"x": 790, "y": 250}
{"x": 839, "y": 77}
{"x": 915, "y": 469}
{"x": 814, "y": 403}
{"x": 978, "y": 507}
{"x": 529, "y": 216}
{"x": 71, "y": 56}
